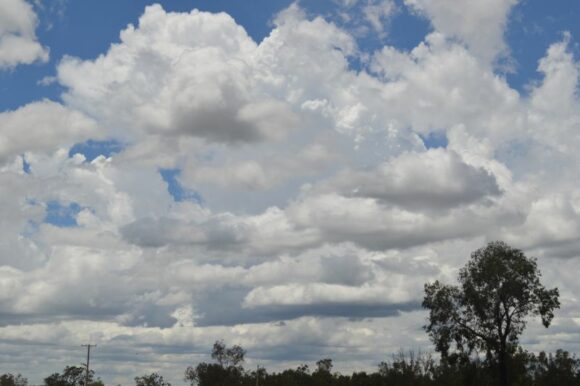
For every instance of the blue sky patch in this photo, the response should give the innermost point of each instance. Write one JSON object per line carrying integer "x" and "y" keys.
{"x": 25, "y": 165}
{"x": 434, "y": 140}
{"x": 177, "y": 191}
{"x": 92, "y": 149}
{"x": 61, "y": 215}
{"x": 532, "y": 28}
{"x": 406, "y": 30}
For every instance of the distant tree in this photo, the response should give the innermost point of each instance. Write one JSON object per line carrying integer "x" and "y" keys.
{"x": 153, "y": 379}
{"x": 71, "y": 376}
{"x": 458, "y": 368}
{"x": 13, "y": 380}
{"x": 299, "y": 376}
{"x": 225, "y": 356}
{"x": 498, "y": 289}
{"x": 410, "y": 368}
{"x": 322, "y": 375}
{"x": 559, "y": 369}
{"x": 227, "y": 371}
{"x": 324, "y": 365}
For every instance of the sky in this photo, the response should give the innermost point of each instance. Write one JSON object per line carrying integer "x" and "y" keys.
{"x": 281, "y": 175}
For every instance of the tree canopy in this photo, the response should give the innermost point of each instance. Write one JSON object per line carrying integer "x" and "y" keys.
{"x": 71, "y": 376}
{"x": 498, "y": 290}
{"x": 153, "y": 379}
{"x": 13, "y": 380}
{"x": 227, "y": 371}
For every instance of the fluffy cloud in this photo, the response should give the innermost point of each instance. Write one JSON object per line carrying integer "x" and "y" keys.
{"x": 42, "y": 127}
{"x": 376, "y": 227}
{"x": 320, "y": 211}
{"x": 437, "y": 178}
{"x": 18, "y": 44}
{"x": 480, "y": 25}
{"x": 179, "y": 75}
{"x": 440, "y": 84}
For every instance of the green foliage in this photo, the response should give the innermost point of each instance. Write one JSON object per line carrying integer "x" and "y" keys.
{"x": 210, "y": 374}
{"x": 227, "y": 356}
{"x": 403, "y": 369}
{"x": 498, "y": 289}
{"x": 408, "y": 369}
{"x": 227, "y": 371}
{"x": 71, "y": 376}
{"x": 561, "y": 369}
{"x": 324, "y": 365}
{"x": 322, "y": 375}
{"x": 153, "y": 379}
{"x": 13, "y": 380}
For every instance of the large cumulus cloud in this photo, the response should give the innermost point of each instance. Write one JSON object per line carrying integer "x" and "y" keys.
{"x": 179, "y": 74}
{"x": 320, "y": 210}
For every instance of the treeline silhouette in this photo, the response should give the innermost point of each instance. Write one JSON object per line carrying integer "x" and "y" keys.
{"x": 403, "y": 369}
{"x": 497, "y": 291}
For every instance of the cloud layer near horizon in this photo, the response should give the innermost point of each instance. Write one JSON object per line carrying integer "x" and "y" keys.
{"x": 316, "y": 209}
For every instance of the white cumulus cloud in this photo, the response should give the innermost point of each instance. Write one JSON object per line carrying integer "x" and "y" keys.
{"x": 18, "y": 43}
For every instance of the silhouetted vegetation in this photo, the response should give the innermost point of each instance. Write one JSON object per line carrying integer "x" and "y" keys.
{"x": 13, "y": 380}
{"x": 227, "y": 371}
{"x": 72, "y": 376}
{"x": 403, "y": 369}
{"x": 475, "y": 327}
{"x": 153, "y": 379}
{"x": 498, "y": 289}
{"x": 406, "y": 369}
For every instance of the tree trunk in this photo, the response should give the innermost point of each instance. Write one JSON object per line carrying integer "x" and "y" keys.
{"x": 503, "y": 373}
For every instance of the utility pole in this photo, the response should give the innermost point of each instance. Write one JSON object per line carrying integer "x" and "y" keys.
{"x": 257, "y": 375}
{"x": 88, "y": 346}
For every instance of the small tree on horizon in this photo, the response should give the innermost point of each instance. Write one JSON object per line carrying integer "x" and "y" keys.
{"x": 498, "y": 289}
{"x": 13, "y": 380}
{"x": 227, "y": 356}
{"x": 71, "y": 376}
{"x": 228, "y": 371}
{"x": 153, "y": 379}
